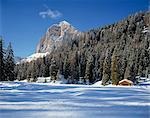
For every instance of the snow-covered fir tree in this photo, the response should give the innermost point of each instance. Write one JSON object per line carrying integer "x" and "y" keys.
{"x": 7, "y": 63}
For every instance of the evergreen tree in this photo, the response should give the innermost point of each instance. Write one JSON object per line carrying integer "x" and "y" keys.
{"x": 89, "y": 70}
{"x": 53, "y": 70}
{"x": 66, "y": 68}
{"x": 96, "y": 70}
{"x": 2, "y": 70}
{"x": 106, "y": 68}
{"x": 34, "y": 72}
{"x": 9, "y": 64}
{"x": 74, "y": 68}
{"x": 114, "y": 71}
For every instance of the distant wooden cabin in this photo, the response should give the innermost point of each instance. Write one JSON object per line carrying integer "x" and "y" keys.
{"x": 125, "y": 82}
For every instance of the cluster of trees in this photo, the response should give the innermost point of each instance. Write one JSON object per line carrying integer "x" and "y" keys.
{"x": 110, "y": 54}
{"x": 7, "y": 63}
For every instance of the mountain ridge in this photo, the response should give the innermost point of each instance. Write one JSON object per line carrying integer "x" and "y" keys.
{"x": 111, "y": 53}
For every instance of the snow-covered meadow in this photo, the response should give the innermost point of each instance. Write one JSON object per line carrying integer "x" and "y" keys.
{"x": 42, "y": 100}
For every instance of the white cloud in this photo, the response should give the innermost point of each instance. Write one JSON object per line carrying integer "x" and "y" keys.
{"x": 50, "y": 13}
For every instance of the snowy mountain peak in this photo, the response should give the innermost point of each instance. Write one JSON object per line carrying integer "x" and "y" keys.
{"x": 60, "y": 25}
{"x": 55, "y": 35}
{"x": 64, "y": 23}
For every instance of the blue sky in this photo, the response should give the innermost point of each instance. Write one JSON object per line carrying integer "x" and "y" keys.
{"x": 24, "y": 22}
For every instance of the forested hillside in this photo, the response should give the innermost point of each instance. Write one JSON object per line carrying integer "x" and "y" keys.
{"x": 110, "y": 54}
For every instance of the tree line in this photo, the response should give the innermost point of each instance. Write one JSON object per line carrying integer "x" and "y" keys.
{"x": 7, "y": 63}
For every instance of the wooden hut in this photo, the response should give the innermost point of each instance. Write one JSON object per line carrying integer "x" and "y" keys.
{"x": 125, "y": 82}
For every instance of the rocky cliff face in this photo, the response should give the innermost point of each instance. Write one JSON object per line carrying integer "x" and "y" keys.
{"x": 55, "y": 36}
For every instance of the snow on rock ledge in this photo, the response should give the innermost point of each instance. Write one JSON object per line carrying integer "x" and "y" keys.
{"x": 34, "y": 56}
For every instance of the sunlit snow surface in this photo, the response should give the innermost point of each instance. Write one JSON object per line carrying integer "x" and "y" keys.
{"x": 32, "y": 100}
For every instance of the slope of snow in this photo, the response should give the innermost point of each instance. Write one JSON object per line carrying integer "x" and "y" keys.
{"x": 34, "y": 56}
{"x": 38, "y": 100}
{"x": 99, "y": 83}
